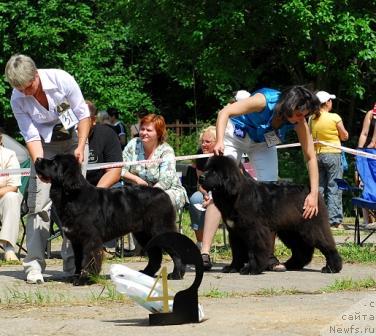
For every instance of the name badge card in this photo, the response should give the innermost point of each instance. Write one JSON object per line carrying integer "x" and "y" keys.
{"x": 272, "y": 139}
{"x": 66, "y": 115}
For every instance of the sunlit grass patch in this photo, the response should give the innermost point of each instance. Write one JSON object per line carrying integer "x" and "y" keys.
{"x": 349, "y": 284}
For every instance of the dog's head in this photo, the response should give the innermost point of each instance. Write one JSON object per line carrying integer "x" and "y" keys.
{"x": 63, "y": 170}
{"x": 221, "y": 174}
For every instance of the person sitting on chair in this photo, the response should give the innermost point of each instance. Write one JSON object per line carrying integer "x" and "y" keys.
{"x": 200, "y": 199}
{"x": 10, "y": 203}
{"x": 152, "y": 145}
{"x": 104, "y": 146}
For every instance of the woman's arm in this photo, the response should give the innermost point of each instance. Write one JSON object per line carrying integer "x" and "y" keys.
{"x": 167, "y": 168}
{"x": 342, "y": 132}
{"x": 129, "y": 154}
{"x": 134, "y": 178}
{"x": 364, "y": 133}
{"x": 35, "y": 149}
{"x": 372, "y": 144}
{"x": 252, "y": 104}
{"x": 311, "y": 202}
{"x": 83, "y": 129}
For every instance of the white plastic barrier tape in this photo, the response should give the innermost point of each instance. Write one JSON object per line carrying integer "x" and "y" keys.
{"x": 350, "y": 150}
{"x": 26, "y": 171}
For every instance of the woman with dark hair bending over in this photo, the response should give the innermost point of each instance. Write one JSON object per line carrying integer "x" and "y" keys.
{"x": 255, "y": 125}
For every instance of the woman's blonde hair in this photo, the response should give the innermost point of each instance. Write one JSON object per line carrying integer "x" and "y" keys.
{"x": 20, "y": 70}
{"x": 210, "y": 129}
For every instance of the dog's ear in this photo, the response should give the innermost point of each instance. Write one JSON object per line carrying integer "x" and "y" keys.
{"x": 232, "y": 177}
{"x": 73, "y": 179}
{"x": 69, "y": 172}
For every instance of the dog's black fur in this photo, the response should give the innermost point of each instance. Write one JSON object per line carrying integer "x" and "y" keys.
{"x": 252, "y": 210}
{"x": 91, "y": 216}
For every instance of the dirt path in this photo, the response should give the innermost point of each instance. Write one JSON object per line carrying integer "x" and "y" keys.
{"x": 232, "y": 304}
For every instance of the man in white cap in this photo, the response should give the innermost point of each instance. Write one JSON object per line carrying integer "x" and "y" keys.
{"x": 329, "y": 127}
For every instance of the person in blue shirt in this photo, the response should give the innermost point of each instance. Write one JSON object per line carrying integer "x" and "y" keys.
{"x": 254, "y": 124}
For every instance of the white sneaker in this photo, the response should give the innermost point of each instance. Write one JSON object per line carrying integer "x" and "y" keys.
{"x": 34, "y": 277}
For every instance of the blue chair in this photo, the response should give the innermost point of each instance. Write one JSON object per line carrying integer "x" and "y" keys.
{"x": 366, "y": 168}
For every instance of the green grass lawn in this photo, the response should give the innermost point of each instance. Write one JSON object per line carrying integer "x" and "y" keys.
{"x": 350, "y": 252}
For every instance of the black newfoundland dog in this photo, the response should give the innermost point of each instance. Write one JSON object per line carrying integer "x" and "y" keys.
{"x": 251, "y": 210}
{"x": 91, "y": 216}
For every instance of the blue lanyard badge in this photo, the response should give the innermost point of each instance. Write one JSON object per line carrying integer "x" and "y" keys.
{"x": 239, "y": 131}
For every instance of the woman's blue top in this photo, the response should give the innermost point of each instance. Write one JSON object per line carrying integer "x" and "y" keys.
{"x": 258, "y": 123}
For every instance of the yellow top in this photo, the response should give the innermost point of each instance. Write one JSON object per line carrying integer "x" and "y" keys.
{"x": 325, "y": 129}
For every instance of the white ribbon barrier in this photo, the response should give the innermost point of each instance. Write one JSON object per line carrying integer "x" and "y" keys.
{"x": 350, "y": 150}
{"x": 93, "y": 166}
{"x": 26, "y": 171}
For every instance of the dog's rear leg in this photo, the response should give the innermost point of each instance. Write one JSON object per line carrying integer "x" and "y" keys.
{"x": 179, "y": 268}
{"x": 302, "y": 252}
{"x": 333, "y": 259}
{"x": 301, "y": 256}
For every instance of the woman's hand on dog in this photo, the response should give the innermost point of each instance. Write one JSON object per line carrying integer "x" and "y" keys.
{"x": 140, "y": 181}
{"x": 310, "y": 206}
{"x": 219, "y": 148}
{"x": 207, "y": 200}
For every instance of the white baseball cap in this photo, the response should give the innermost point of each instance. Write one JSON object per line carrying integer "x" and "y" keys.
{"x": 241, "y": 95}
{"x": 324, "y": 96}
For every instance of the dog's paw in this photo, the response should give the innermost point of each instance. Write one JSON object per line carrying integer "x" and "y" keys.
{"x": 175, "y": 276}
{"x": 246, "y": 270}
{"x": 327, "y": 269}
{"x": 82, "y": 279}
{"x": 147, "y": 272}
{"x": 230, "y": 269}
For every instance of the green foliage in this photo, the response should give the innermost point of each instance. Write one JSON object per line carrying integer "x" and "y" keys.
{"x": 78, "y": 37}
{"x": 239, "y": 43}
{"x": 183, "y": 144}
{"x": 184, "y": 59}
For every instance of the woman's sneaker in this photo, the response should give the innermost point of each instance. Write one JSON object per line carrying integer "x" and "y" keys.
{"x": 34, "y": 277}
{"x": 206, "y": 262}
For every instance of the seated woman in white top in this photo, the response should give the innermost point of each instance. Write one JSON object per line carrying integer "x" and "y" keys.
{"x": 10, "y": 203}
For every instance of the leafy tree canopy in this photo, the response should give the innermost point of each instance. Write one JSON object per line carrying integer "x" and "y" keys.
{"x": 185, "y": 58}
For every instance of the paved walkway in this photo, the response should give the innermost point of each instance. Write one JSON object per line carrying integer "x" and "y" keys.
{"x": 290, "y": 303}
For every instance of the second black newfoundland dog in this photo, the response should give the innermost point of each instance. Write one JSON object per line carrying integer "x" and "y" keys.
{"x": 91, "y": 216}
{"x": 251, "y": 210}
